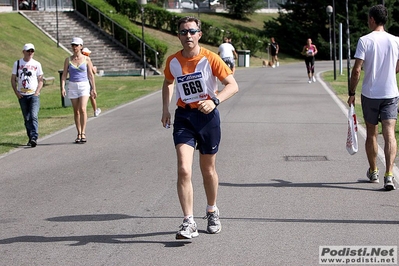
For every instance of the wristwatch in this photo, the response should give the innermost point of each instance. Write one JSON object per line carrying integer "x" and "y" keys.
{"x": 215, "y": 101}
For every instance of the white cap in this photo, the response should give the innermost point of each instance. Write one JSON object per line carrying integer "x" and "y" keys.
{"x": 86, "y": 51}
{"x": 77, "y": 40}
{"x": 28, "y": 46}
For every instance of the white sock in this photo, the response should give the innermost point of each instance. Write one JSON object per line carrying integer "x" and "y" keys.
{"x": 190, "y": 218}
{"x": 211, "y": 208}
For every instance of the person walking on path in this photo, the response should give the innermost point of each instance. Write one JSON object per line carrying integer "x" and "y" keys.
{"x": 274, "y": 47}
{"x": 228, "y": 53}
{"x": 27, "y": 82}
{"x": 195, "y": 71}
{"x": 86, "y": 51}
{"x": 81, "y": 79}
{"x": 378, "y": 54}
{"x": 309, "y": 51}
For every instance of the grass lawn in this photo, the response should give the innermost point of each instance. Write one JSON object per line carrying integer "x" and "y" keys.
{"x": 112, "y": 91}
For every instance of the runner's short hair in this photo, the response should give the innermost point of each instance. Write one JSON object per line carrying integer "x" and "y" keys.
{"x": 379, "y": 13}
{"x": 189, "y": 19}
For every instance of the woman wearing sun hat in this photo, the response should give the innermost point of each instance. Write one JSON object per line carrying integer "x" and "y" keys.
{"x": 81, "y": 78}
{"x": 93, "y": 101}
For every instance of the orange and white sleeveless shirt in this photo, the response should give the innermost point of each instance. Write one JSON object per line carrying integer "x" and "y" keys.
{"x": 196, "y": 77}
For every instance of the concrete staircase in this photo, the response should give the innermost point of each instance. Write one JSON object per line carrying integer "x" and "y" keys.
{"x": 107, "y": 55}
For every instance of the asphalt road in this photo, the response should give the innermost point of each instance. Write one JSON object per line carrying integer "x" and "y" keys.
{"x": 287, "y": 185}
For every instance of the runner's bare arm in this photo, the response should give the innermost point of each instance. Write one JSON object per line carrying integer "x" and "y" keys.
{"x": 355, "y": 77}
{"x": 230, "y": 88}
{"x": 167, "y": 92}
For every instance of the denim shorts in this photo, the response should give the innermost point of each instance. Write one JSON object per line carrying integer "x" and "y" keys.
{"x": 375, "y": 109}
{"x": 78, "y": 89}
{"x": 229, "y": 61}
{"x": 199, "y": 130}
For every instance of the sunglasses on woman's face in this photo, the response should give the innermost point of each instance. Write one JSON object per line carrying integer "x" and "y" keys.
{"x": 30, "y": 51}
{"x": 191, "y": 31}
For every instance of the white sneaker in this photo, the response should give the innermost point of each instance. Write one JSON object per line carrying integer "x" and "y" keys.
{"x": 389, "y": 182}
{"x": 278, "y": 64}
{"x": 373, "y": 176}
{"x": 273, "y": 66}
{"x": 314, "y": 79}
{"x": 187, "y": 230}
{"x": 309, "y": 81}
{"x": 214, "y": 226}
{"x": 97, "y": 112}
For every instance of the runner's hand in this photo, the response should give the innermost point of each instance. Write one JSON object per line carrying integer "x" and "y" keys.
{"x": 166, "y": 119}
{"x": 351, "y": 100}
{"x": 206, "y": 106}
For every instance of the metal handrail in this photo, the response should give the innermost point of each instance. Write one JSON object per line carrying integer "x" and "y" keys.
{"x": 112, "y": 29}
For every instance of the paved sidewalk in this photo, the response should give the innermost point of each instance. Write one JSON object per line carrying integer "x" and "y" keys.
{"x": 287, "y": 185}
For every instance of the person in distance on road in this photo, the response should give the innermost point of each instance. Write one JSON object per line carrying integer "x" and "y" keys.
{"x": 309, "y": 51}
{"x": 227, "y": 52}
{"x": 27, "y": 82}
{"x": 274, "y": 47}
{"x": 81, "y": 85}
{"x": 86, "y": 51}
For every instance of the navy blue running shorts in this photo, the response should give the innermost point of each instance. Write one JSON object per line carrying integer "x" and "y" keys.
{"x": 199, "y": 130}
{"x": 374, "y": 109}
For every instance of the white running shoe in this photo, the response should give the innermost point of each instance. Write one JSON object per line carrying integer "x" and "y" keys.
{"x": 314, "y": 79}
{"x": 273, "y": 66}
{"x": 389, "y": 183}
{"x": 187, "y": 230}
{"x": 309, "y": 81}
{"x": 97, "y": 112}
{"x": 214, "y": 226}
{"x": 278, "y": 64}
{"x": 373, "y": 176}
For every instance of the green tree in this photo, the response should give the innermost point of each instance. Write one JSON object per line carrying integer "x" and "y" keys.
{"x": 394, "y": 29}
{"x": 302, "y": 19}
{"x": 240, "y": 9}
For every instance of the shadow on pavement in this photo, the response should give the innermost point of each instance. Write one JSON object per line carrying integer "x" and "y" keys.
{"x": 105, "y": 239}
{"x": 284, "y": 183}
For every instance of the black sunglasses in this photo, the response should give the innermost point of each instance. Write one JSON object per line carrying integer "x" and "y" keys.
{"x": 30, "y": 51}
{"x": 191, "y": 31}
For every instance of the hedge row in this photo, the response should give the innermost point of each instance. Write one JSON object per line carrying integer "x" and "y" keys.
{"x": 124, "y": 12}
{"x": 106, "y": 23}
{"x": 160, "y": 18}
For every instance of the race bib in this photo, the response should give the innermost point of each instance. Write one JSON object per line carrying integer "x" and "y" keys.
{"x": 191, "y": 87}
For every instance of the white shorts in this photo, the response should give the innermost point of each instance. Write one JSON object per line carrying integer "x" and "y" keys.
{"x": 78, "y": 89}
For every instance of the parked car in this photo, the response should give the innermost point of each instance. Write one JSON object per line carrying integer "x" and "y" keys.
{"x": 188, "y": 4}
{"x": 207, "y": 3}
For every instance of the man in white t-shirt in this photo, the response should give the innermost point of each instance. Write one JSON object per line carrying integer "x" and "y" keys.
{"x": 228, "y": 53}
{"x": 27, "y": 81}
{"x": 378, "y": 54}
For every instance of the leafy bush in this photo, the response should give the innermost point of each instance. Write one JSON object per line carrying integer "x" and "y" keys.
{"x": 159, "y": 18}
{"x": 114, "y": 22}
{"x": 127, "y": 13}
